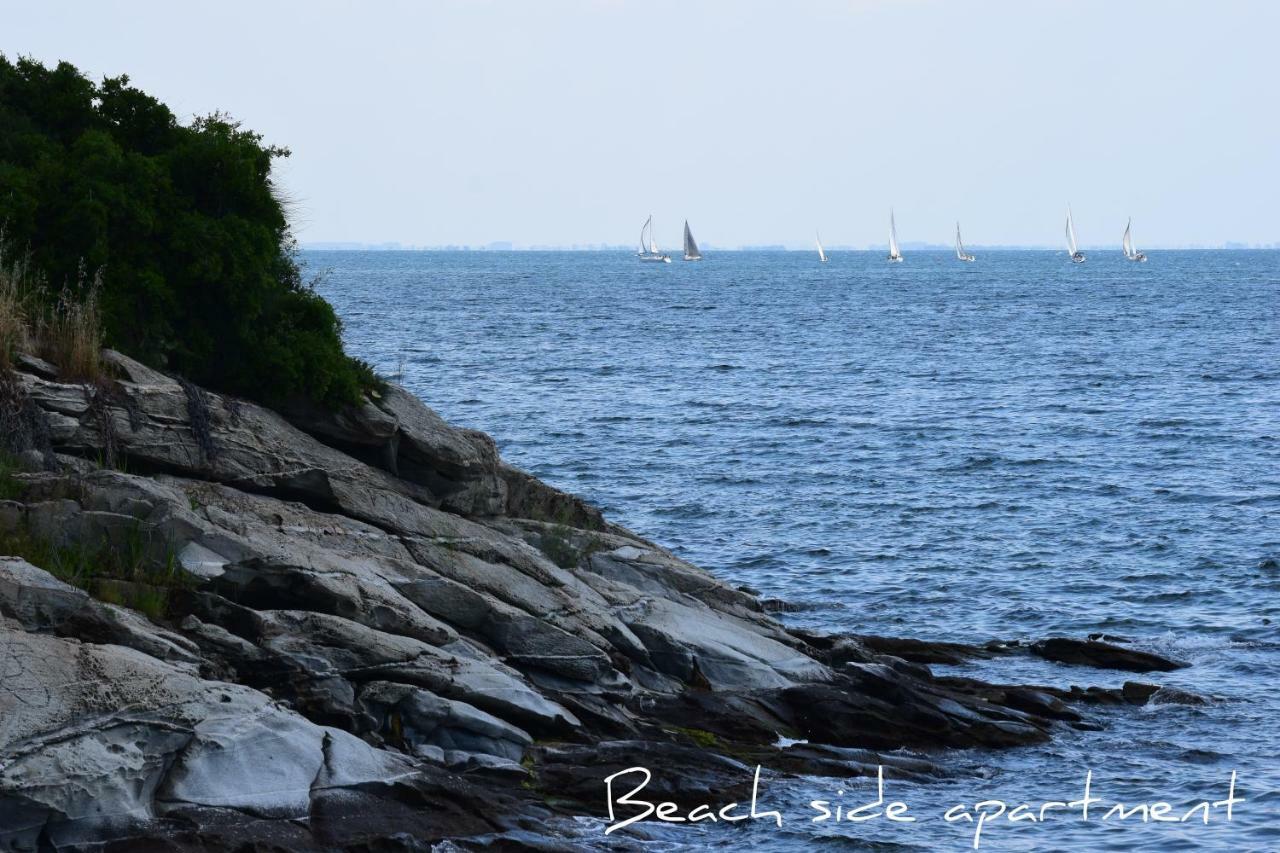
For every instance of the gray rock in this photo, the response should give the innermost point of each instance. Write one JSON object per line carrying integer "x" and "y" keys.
{"x": 418, "y": 719}
{"x": 35, "y": 598}
{"x": 38, "y": 602}
{"x": 377, "y": 573}
{"x": 94, "y": 737}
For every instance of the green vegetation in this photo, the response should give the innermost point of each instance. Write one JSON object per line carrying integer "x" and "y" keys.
{"x": 10, "y": 487}
{"x": 129, "y": 570}
{"x": 556, "y": 545}
{"x": 175, "y": 233}
{"x": 701, "y": 737}
{"x": 557, "y": 542}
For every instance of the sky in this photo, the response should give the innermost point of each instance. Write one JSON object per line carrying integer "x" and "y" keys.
{"x": 569, "y": 121}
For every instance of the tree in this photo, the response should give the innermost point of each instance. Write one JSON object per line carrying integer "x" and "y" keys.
{"x": 183, "y": 223}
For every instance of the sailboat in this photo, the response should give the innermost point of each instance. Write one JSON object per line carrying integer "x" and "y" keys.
{"x": 1073, "y": 249}
{"x": 894, "y": 255}
{"x": 817, "y": 238}
{"x": 691, "y": 252}
{"x": 1129, "y": 251}
{"x": 961, "y": 254}
{"x": 648, "y": 246}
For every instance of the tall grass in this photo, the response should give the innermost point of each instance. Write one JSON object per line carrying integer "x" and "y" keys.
{"x": 65, "y": 331}
{"x": 15, "y": 332}
{"x": 70, "y": 332}
{"x": 133, "y": 568}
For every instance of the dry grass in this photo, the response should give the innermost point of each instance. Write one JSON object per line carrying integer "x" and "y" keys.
{"x": 69, "y": 334}
{"x": 66, "y": 332}
{"x": 15, "y": 332}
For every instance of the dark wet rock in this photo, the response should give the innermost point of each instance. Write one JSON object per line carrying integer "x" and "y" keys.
{"x": 1174, "y": 696}
{"x": 684, "y": 774}
{"x": 1141, "y": 693}
{"x": 1102, "y": 655}
{"x": 923, "y": 651}
{"x": 878, "y": 707}
{"x": 1110, "y": 638}
{"x": 410, "y": 814}
{"x": 1086, "y": 726}
{"x": 816, "y": 759}
{"x": 1138, "y": 692}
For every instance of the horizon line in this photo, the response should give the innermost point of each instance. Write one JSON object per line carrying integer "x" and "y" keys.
{"x": 504, "y": 246}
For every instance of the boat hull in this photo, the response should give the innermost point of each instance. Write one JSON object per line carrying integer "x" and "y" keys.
{"x": 655, "y": 259}
{"x": 894, "y": 260}
{"x": 1078, "y": 258}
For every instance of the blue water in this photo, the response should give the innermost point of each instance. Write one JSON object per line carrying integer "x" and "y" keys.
{"x": 1012, "y": 449}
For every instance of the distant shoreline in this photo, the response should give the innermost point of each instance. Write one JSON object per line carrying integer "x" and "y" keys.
{"x": 907, "y": 247}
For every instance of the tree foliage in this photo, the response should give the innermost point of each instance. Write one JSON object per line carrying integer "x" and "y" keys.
{"x": 185, "y": 226}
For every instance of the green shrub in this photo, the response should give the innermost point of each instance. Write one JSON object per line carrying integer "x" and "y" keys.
{"x": 555, "y": 543}
{"x": 183, "y": 224}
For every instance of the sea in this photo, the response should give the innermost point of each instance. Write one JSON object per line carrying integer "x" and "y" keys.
{"x": 1011, "y": 449}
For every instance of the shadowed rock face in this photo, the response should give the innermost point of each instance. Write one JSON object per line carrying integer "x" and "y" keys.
{"x": 378, "y": 624}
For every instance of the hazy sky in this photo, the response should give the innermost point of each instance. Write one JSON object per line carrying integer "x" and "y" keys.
{"x": 568, "y": 121}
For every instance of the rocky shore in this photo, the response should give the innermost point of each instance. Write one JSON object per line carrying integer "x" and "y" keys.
{"x": 366, "y": 631}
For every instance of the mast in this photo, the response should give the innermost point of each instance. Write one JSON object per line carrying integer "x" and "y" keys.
{"x": 959, "y": 245}
{"x": 643, "y": 228}
{"x": 893, "y": 237}
{"x": 817, "y": 238}
{"x": 1127, "y": 242}
{"x": 1072, "y": 249}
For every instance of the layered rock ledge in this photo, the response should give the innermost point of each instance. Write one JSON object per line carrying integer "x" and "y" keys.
{"x": 364, "y": 630}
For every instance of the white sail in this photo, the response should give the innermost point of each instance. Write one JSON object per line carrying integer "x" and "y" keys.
{"x": 649, "y": 246}
{"x": 691, "y": 252}
{"x": 1131, "y": 251}
{"x": 961, "y": 254}
{"x": 894, "y": 254}
{"x": 1072, "y": 248}
{"x": 822, "y": 256}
